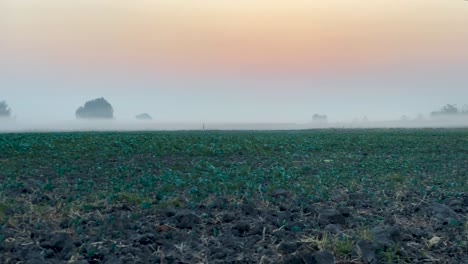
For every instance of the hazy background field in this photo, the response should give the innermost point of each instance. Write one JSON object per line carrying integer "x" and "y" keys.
{"x": 135, "y": 125}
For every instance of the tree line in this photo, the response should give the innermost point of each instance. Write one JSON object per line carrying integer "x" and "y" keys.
{"x": 100, "y": 108}
{"x": 450, "y": 110}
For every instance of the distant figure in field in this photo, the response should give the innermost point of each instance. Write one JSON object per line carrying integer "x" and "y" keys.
{"x": 95, "y": 109}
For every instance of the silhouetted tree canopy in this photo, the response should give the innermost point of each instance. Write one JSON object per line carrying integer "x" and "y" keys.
{"x": 143, "y": 116}
{"x": 4, "y": 110}
{"x": 448, "y": 109}
{"x": 465, "y": 109}
{"x": 95, "y": 109}
{"x": 319, "y": 118}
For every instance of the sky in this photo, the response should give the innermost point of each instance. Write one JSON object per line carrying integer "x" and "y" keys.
{"x": 234, "y": 61}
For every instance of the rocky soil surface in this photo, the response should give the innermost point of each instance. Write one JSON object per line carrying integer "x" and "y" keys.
{"x": 346, "y": 228}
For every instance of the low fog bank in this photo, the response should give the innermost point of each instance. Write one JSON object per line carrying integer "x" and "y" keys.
{"x": 12, "y": 126}
{"x": 98, "y": 115}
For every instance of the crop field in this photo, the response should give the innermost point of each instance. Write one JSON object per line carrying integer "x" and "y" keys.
{"x": 322, "y": 196}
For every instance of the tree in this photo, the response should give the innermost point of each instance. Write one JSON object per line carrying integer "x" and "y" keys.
{"x": 4, "y": 110}
{"x": 448, "y": 109}
{"x": 319, "y": 118}
{"x": 95, "y": 109}
{"x": 420, "y": 117}
{"x": 143, "y": 116}
{"x": 464, "y": 110}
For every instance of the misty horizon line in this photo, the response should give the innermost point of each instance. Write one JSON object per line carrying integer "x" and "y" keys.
{"x": 100, "y": 110}
{"x": 77, "y": 125}
{"x": 323, "y": 118}
{"x": 98, "y": 114}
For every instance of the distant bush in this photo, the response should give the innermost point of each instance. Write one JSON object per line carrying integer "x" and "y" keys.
{"x": 143, "y": 116}
{"x": 465, "y": 110}
{"x": 450, "y": 110}
{"x": 95, "y": 109}
{"x": 5, "y": 111}
{"x": 317, "y": 118}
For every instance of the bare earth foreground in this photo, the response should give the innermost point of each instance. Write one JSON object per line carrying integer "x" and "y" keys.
{"x": 323, "y": 196}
